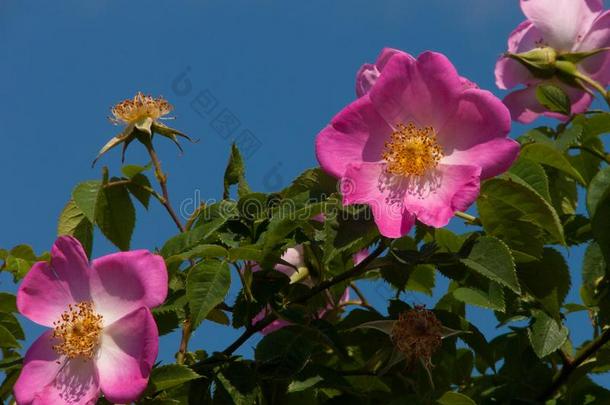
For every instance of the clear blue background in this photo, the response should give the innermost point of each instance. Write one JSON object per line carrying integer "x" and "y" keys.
{"x": 283, "y": 68}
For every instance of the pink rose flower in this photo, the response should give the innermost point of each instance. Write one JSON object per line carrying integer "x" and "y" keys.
{"x": 295, "y": 257}
{"x": 567, "y": 26}
{"x": 103, "y": 336}
{"x": 417, "y": 143}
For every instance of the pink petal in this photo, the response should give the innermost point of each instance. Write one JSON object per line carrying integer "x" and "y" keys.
{"x": 364, "y": 184}
{"x": 48, "y": 288}
{"x": 125, "y": 281}
{"x": 360, "y": 256}
{"x": 494, "y": 156}
{"x": 561, "y": 22}
{"x": 70, "y": 262}
{"x": 525, "y": 108}
{"x": 128, "y": 349}
{"x": 42, "y": 297}
{"x": 598, "y": 66}
{"x": 509, "y": 72}
{"x": 458, "y": 188}
{"x": 477, "y": 133}
{"x": 421, "y": 91}
{"x": 40, "y": 366}
{"x": 369, "y": 73}
{"x": 273, "y": 326}
{"x": 356, "y": 134}
{"x": 75, "y": 384}
{"x": 293, "y": 256}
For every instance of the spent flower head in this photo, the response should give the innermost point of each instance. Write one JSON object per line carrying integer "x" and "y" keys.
{"x": 141, "y": 116}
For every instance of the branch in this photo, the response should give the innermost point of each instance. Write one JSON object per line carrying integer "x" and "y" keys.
{"x": 162, "y": 179}
{"x": 571, "y": 366}
{"x": 353, "y": 272}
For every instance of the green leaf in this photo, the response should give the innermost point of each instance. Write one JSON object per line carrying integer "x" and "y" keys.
{"x": 214, "y": 217}
{"x": 564, "y": 192}
{"x": 199, "y": 251}
{"x": 593, "y": 272}
{"x": 492, "y": 258}
{"x": 588, "y": 161}
{"x": 594, "y": 125}
{"x": 8, "y": 302}
{"x": 139, "y": 188}
{"x": 547, "y": 280}
{"x": 455, "y": 398}
{"x": 533, "y": 174}
{"x": 550, "y": 156}
{"x": 598, "y": 191}
{"x": 504, "y": 203}
{"x": 116, "y": 216}
{"x": 171, "y": 375}
{"x": 546, "y": 335}
{"x": 7, "y": 339}
{"x": 72, "y": 221}
{"x": 422, "y": 279}
{"x": 284, "y": 353}
{"x": 235, "y": 174}
{"x": 133, "y": 170}
{"x": 207, "y": 285}
{"x": 492, "y": 299}
{"x": 239, "y": 381}
{"x": 85, "y": 196}
{"x": 554, "y": 99}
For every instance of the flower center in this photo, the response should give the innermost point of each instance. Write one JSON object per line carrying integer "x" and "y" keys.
{"x": 132, "y": 110}
{"x": 412, "y": 151}
{"x": 78, "y": 331}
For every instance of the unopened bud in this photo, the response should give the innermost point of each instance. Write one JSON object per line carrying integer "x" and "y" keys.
{"x": 540, "y": 61}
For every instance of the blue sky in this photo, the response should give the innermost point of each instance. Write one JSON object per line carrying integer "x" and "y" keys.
{"x": 281, "y": 68}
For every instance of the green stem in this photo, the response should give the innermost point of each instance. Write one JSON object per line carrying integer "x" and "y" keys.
{"x": 571, "y": 366}
{"x": 592, "y": 151}
{"x": 355, "y": 271}
{"x": 468, "y": 218}
{"x": 604, "y": 93}
{"x": 162, "y": 179}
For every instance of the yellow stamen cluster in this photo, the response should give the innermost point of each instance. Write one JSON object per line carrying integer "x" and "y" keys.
{"x": 417, "y": 334}
{"x": 132, "y": 110}
{"x": 78, "y": 331}
{"x": 412, "y": 151}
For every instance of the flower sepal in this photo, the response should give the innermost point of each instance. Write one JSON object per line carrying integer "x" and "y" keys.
{"x": 540, "y": 61}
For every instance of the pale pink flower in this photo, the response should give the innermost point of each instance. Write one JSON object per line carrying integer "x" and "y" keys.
{"x": 417, "y": 142}
{"x": 103, "y": 337}
{"x": 295, "y": 257}
{"x": 566, "y": 26}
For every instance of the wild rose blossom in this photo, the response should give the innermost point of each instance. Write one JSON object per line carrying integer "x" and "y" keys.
{"x": 296, "y": 258}
{"x": 417, "y": 143}
{"x": 559, "y": 27}
{"x": 103, "y": 337}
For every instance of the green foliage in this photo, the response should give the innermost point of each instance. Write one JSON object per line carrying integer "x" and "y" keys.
{"x": 510, "y": 262}
{"x": 554, "y": 99}
{"x": 207, "y": 285}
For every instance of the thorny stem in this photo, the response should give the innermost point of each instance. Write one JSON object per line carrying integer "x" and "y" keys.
{"x": 187, "y": 327}
{"x": 593, "y": 152}
{"x": 162, "y": 179}
{"x": 353, "y": 272}
{"x": 571, "y": 365}
{"x": 363, "y": 301}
